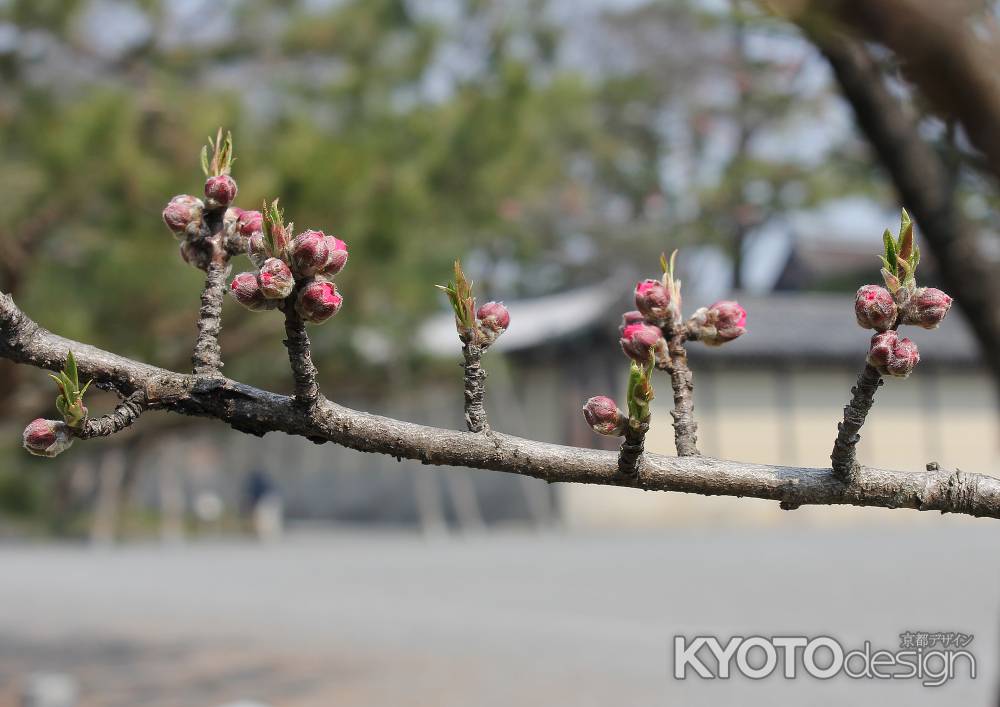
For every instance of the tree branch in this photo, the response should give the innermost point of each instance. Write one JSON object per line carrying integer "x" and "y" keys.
{"x": 632, "y": 448}
{"x": 257, "y": 412}
{"x": 475, "y": 388}
{"x": 207, "y": 357}
{"x": 300, "y": 357}
{"x": 681, "y": 379}
{"x": 124, "y": 415}
{"x": 862, "y": 399}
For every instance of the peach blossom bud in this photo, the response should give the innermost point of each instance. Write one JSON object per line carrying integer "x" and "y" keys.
{"x": 182, "y": 211}
{"x": 905, "y": 357}
{"x": 652, "y": 299}
{"x": 276, "y": 281}
{"x": 880, "y": 349}
{"x": 493, "y": 315}
{"x": 628, "y": 318}
{"x": 221, "y": 189}
{"x": 309, "y": 253}
{"x": 47, "y": 438}
{"x": 318, "y": 301}
{"x": 639, "y": 341}
{"x": 245, "y": 289}
{"x": 338, "y": 256}
{"x": 874, "y": 308}
{"x": 257, "y": 249}
{"x": 250, "y": 222}
{"x": 723, "y": 321}
{"x": 604, "y": 417}
{"x": 926, "y": 307}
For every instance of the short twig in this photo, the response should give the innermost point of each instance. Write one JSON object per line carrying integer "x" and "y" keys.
{"x": 126, "y": 413}
{"x": 300, "y": 357}
{"x": 681, "y": 379}
{"x": 862, "y": 398}
{"x": 475, "y": 388}
{"x": 632, "y": 448}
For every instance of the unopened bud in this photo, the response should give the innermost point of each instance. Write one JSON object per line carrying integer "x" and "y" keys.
{"x": 276, "y": 280}
{"x": 926, "y": 307}
{"x": 722, "y": 322}
{"x": 47, "y": 438}
{"x": 629, "y": 318}
{"x": 604, "y": 417}
{"x": 337, "y": 258}
{"x": 182, "y": 211}
{"x": 257, "y": 249}
{"x": 875, "y": 308}
{"x": 652, "y": 299}
{"x": 250, "y": 222}
{"x": 245, "y": 289}
{"x": 891, "y": 355}
{"x": 309, "y": 253}
{"x": 318, "y": 301}
{"x": 493, "y": 320}
{"x": 639, "y": 341}
{"x": 221, "y": 189}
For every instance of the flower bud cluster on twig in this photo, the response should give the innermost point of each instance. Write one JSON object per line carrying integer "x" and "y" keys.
{"x": 653, "y": 336}
{"x": 47, "y": 438}
{"x": 480, "y": 327}
{"x": 298, "y": 271}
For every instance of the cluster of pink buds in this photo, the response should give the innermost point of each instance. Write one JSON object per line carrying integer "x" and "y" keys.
{"x": 884, "y": 309}
{"x": 47, "y": 438}
{"x": 723, "y": 321}
{"x": 480, "y": 327}
{"x": 302, "y": 267}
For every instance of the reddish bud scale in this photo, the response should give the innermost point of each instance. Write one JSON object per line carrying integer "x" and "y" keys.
{"x": 221, "y": 189}
{"x": 926, "y": 307}
{"x": 875, "y": 308}
{"x": 182, "y": 211}
{"x": 337, "y": 257}
{"x": 891, "y": 355}
{"x": 309, "y": 253}
{"x": 276, "y": 280}
{"x": 250, "y": 222}
{"x": 629, "y": 318}
{"x": 47, "y": 438}
{"x": 722, "y": 322}
{"x": 318, "y": 301}
{"x": 652, "y": 299}
{"x": 494, "y": 315}
{"x": 245, "y": 289}
{"x": 603, "y": 416}
{"x": 639, "y": 341}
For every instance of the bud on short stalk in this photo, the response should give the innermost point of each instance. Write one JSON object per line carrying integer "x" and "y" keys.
{"x": 926, "y": 307}
{"x": 875, "y": 308}
{"x": 629, "y": 318}
{"x": 250, "y": 222}
{"x": 245, "y": 289}
{"x": 309, "y": 253}
{"x": 276, "y": 280}
{"x": 891, "y": 355}
{"x": 493, "y": 319}
{"x": 318, "y": 301}
{"x": 652, "y": 299}
{"x": 722, "y": 322}
{"x": 604, "y": 417}
{"x": 257, "y": 249}
{"x": 639, "y": 341}
{"x": 337, "y": 256}
{"x": 183, "y": 211}
{"x": 221, "y": 189}
{"x": 47, "y": 438}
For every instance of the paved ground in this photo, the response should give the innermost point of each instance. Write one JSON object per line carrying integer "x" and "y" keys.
{"x": 510, "y": 619}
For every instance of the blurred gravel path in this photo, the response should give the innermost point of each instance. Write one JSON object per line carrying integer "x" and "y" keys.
{"x": 508, "y": 619}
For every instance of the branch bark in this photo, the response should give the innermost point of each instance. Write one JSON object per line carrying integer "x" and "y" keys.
{"x": 844, "y": 456}
{"x": 300, "y": 357}
{"x": 475, "y": 388}
{"x": 631, "y": 449}
{"x": 681, "y": 379}
{"x": 207, "y": 357}
{"x": 124, "y": 415}
{"x": 257, "y": 412}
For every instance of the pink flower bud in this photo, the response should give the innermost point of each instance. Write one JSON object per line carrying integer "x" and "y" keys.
{"x": 338, "y": 256}
{"x": 309, "y": 253}
{"x": 722, "y": 322}
{"x": 276, "y": 280}
{"x": 880, "y": 349}
{"x": 47, "y": 438}
{"x": 639, "y": 341}
{"x": 926, "y": 307}
{"x": 245, "y": 289}
{"x": 221, "y": 189}
{"x": 628, "y": 318}
{"x": 875, "y": 308}
{"x": 493, "y": 315}
{"x": 604, "y": 417}
{"x": 250, "y": 222}
{"x": 652, "y": 299}
{"x": 905, "y": 357}
{"x": 182, "y": 211}
{"x": 318, "y": 301}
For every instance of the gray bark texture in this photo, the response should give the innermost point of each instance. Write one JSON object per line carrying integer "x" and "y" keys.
{"x": 257, "y": 412}
{"x": 300, "y": 356}
{"x": 475, "y": 388}
{"x": 681, "y": 379}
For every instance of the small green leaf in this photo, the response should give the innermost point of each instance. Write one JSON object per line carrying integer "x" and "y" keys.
{"x": 204, "y": 159}
{"x": 914, "y": 259}
{"x": 891, "y": 281}
{"x": 906, "y": 240}
{"x": 673, "y": 262}
{"x": 71, "y": 371}
{"x": 890, "y": 251}
{"x": 663, "y": 263}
